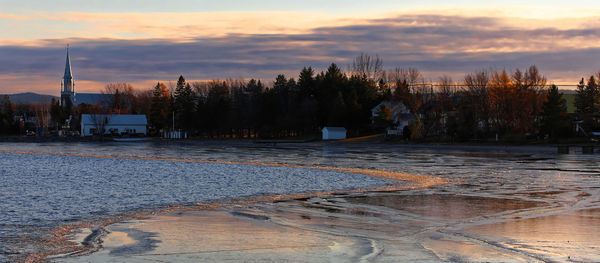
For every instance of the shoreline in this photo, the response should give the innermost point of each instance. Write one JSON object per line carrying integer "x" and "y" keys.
{"x": 267, "y": 142}
{"x": 503, "y": 146}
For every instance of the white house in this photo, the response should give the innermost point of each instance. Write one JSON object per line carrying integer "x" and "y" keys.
{"x": 401, "y": 116}
{"x": 334, "y": 133}
{"x": 113, "y": 124}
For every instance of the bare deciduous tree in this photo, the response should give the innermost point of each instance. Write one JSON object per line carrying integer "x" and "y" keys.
{"x": 411, "y": 75}
{"x": 42, "y": 115}
{"x": 368, "y": 66}
{"x": 119, "y": 97}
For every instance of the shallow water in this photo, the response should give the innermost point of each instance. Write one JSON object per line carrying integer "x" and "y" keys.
{"x": 42, "y": 191}
{"x": 45, "y": 190}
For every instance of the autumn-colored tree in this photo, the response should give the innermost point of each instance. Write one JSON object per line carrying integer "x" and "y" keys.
{"x": 530, "y": 95}
{"x": 160, "y": 109}
{"x": 42, "y": 115}
{"x": 143, "y": 101}
{"x": 383, "y": 117}
{"x": 502, "y": 98}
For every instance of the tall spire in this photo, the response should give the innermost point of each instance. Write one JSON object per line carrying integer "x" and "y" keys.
{"x": 68, "y": 83}
{"x": 68, "y": 74}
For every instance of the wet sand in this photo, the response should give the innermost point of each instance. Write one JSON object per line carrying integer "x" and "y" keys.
{"x": 400, "y": 226}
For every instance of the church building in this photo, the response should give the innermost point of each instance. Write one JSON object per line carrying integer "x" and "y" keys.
{"x": 69, "y": 97}
{"x": 104, "y": 124}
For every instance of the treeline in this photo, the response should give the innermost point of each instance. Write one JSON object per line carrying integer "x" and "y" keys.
{"x": 484, "y": 105}
{"x": 16, "y": 118}
{"x": 290, "y": 107}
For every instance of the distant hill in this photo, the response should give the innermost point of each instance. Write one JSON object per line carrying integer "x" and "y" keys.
{"x": 30, "y": 97}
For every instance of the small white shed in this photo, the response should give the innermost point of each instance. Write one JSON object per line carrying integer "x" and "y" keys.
{"x": 113, "y": 124}
{"x": 334, "y": 133}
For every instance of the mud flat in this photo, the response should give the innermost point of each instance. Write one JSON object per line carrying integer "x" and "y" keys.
{"x": 400, "y": 226}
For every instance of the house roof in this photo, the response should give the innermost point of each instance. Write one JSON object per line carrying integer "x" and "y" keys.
{"x": 335, "y": 129}
{"x": 113, "y": 119}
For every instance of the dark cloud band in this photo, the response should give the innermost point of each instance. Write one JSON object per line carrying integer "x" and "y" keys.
{"x": 450, "y": 44}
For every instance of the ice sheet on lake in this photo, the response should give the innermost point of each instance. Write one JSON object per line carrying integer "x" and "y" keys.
{"x": 42, "y": 189}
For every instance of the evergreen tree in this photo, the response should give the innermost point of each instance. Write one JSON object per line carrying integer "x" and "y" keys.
{"x": 555, "y": 119}
{"x": 281, "y": 93}
{"x": 218, "y": 106}
{"x": 586, "y": 100}
{"x": 306, "y": 83}
{"x": 330, "y": 84}
{"x": 7, "y": 123}
{"x": 581, "y": 104}
{"x": 184, "y": 104}
{"x": 306, "y": 100}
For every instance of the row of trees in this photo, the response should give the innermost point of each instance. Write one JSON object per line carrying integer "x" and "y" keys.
{"x": 16, "y": 118}
{"x": 483, "y": 105}
{"x": 489, "y": 103}
{"x": 250, "y": 109}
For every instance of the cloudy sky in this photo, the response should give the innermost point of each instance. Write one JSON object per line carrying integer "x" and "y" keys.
{"x": 142, "y": 42}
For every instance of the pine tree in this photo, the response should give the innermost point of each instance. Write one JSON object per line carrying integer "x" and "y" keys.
{"x": 555, "y": 119}
{"x": 587, "y": 97}
{"x": 184, "y": 104}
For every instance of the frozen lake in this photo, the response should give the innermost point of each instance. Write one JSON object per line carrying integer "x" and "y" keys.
{"x": 55, "y": 186}
{"x": 43, "y": 190}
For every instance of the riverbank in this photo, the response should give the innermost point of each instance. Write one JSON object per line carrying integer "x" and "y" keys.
{"x": 287, "y": 143}
{"x": 374, "y": 139}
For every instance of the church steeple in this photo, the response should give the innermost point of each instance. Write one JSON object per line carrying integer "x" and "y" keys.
{"x": 67, "y": 91}
{"x": 68, "y": 83}
{"x": 68, "y": 74}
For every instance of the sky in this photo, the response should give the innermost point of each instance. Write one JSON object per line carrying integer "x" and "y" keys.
{"x": 143, "y": 42}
